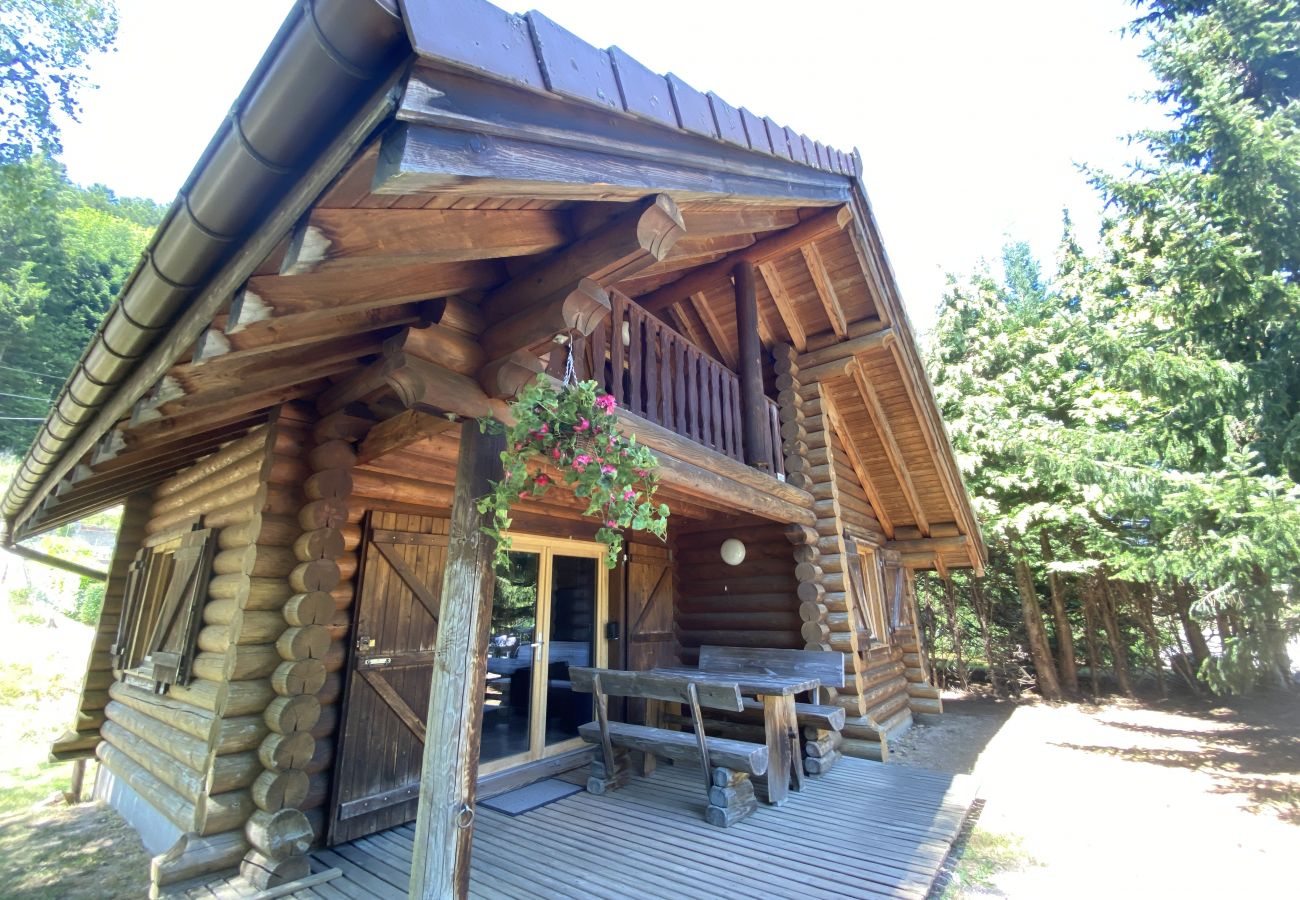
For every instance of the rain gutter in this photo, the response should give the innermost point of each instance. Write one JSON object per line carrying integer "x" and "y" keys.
{"x": 329, "y": 76}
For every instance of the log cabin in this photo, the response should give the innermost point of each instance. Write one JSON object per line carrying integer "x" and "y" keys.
{"x": 413, "y": 210}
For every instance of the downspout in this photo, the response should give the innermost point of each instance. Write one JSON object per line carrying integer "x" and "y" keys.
{"x": 327, "y": 58}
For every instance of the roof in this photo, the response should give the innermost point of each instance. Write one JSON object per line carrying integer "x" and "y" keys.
{"x": 314, "y": 130}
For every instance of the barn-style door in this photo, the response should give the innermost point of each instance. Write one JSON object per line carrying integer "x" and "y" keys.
{"x": 650, "y": 638}
{"x": 394, "y": 630}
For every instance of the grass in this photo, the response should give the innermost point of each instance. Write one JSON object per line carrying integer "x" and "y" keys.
{"x": 48, "y": 850}
{"x": 980, "y": 858}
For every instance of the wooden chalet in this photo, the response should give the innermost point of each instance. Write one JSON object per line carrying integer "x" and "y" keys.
{"x": 413, "y": 210}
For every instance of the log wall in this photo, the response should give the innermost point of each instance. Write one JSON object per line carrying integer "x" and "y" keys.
{"x": 754, "y": 604}
{"x": 195, "y": 754}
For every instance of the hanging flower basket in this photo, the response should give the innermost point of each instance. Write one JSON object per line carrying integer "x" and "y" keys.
{"x": 572, "y": 430}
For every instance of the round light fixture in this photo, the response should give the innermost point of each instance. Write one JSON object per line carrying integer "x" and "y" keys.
{"x": 733, "y": 551}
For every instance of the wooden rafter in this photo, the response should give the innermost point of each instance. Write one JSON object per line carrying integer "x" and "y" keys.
{"x": 855, "y": 463}
{"x": 821, "y": 280}
{"x": 784, "y": 305}
{"x": 936, "y": 441}
{"x": 700, "y": 303}
{"x": 344, "y": 239}
{"x": 304, "y": 298}
{"x": 776, "y": 244}
{"x": 892, "y": 452}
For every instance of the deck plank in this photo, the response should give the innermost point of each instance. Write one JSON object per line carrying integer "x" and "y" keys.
{"x": 865, "y": 829}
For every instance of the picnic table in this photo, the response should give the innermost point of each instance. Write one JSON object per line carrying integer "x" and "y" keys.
{"x": 777, "y": 694}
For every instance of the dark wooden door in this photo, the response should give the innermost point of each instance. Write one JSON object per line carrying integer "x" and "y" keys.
{"x": 650, "y": 638}
{"x": 394, "y": 630}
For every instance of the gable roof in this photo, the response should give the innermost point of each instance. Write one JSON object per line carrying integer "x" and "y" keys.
{"x": 337, "y": 73}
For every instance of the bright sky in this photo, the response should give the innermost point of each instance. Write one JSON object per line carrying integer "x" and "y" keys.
{"x": 971, "y": 116}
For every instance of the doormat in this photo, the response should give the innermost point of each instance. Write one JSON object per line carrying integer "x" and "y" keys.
{"x": 531, "y": 796}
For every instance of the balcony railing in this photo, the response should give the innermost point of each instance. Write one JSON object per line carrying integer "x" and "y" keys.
{"x": 658, "y": 374}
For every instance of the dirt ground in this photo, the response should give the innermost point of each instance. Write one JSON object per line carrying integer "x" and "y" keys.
{"x": 1123, "y": 799}
{"x": 86, "y": 852}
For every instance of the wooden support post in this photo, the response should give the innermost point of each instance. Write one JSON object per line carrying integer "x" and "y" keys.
{"x": 753, "y": 405}
{"x": 444, "y": 823}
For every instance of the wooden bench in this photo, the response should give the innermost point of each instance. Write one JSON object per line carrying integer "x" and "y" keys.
{"x": 727, "y": 764}
{"x": 821, "y": 724}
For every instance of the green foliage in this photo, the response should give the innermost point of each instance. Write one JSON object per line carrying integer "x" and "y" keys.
{"x": 89, "y": 601}
{"x": 44, "y": 46}
{"x": 574, "y": 430}
{"x": 1141, "y": 412}
{"x": 65, "y": 252}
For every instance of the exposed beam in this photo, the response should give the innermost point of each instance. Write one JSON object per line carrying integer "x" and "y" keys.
{"x": 832, "y": 413}
{"x": 640, "y": 236}
{"x": 821, "y": 280}
{"x": 688, "y": 253}
{"x": 846, "y": 349}
{"x": 892, "y": 452}
{"x": 784, "y": 305}
{"x": 304, "y": 298}
{"x": 56, "y": 563}
{"x": 343, "y": 239}
{"x": 401, "y": 431}
{"x": 275, "y": 336}
{"x": 573, "y": 308}
{"x": 930, "y": 545}
{"x": 746, "y": 220}
{"x": 420, "y": 160}
{"x": 777, "y": 244}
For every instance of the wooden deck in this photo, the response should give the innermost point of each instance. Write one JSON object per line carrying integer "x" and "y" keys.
{"x": 863, "y": 830}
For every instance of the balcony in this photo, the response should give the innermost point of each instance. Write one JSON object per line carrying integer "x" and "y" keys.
{"x": 659, "y": 375}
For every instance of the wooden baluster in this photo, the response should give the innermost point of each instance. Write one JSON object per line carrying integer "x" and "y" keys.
{"x": 734, "y": 400}
{"x": 617, "y": 356}
{"x": 681, "y": 350}
{"x": 775, "y": 429}
{"x": 693, "y": 394}
{"x": 728, "y": 419}
{"x": 598, "y": 344}
{"x": 706, "y": 418}
{"x": 651, "y": 363}
{"x": 667, "y": 350}
{"x": 635, "y": 350}
{"x": 580, "y": 368}
{"x": 716, "y": 397}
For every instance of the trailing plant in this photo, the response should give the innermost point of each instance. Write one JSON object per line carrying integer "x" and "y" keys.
{"x": 573, "y": 431}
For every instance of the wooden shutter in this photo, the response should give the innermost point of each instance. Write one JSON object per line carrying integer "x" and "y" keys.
{"x": 175, "y": 632}
{"x": 132, "y": 601}
{"x": 859, "y": 596}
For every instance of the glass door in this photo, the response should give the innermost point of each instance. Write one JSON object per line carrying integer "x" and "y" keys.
{"x": 548, "y": 613}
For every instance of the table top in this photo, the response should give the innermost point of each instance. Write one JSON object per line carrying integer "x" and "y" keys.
{"x": 750, "y": 683}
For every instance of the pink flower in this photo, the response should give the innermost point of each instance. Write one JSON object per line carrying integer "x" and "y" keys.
{"x": 629, "y": 494}
{"x": 556, "y": 453}
{"x": 545, "y": 429}
{"x": 610, "y": 523}
{"x": 606, "y": 402}
{"x": 642, "y": 473}
{"x": 581, "y": 461}
{"x": 582, "y": 425}
{"x": 611, "y": 443}
{"x": 543, "y": 479}
{"x": 607, "y": 470}
{"x": 523, "y": 495}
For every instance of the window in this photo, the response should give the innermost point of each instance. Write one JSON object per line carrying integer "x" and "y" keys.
{"x": 162, "y": 611}
{"x": 864, "y": 578}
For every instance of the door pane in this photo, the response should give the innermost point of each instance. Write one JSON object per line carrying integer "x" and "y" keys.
{"x": 508, "y": 691}
{"x": 571, "y": 642}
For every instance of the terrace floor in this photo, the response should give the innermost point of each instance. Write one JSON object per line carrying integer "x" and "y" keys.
{"x": 863, "y": 830}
